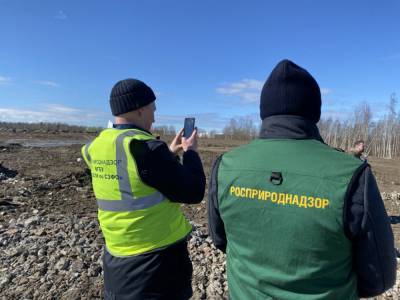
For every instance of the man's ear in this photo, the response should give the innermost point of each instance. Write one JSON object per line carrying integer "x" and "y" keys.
{"x": 140, "y": 111}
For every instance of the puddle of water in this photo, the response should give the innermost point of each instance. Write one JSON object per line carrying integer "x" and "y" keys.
{"x": 44, "y": 143}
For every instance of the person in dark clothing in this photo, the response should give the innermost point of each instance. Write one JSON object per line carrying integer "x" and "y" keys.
{"x": 358, "y": 149}
{"x": 298, "y": 219}
{"x": 139, "y": 185}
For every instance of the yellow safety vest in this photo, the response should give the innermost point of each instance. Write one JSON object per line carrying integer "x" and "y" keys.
{"x": 135, "y": 218}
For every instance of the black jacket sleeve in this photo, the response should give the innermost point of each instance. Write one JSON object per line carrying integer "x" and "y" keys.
{"x": 215, "y": 224}
{"x": 368, "y": 227}
{"x": 159, "y": 168}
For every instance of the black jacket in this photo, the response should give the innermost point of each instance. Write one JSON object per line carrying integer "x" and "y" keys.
{"x": 164, "y": 273}
{"x": 366, "y": 223}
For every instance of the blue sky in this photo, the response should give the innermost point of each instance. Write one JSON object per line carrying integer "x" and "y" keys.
{"x": 208, "y": 59}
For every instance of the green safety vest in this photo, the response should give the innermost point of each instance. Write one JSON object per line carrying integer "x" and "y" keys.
{"x": 281, "y": 202}
{"x": 134, "y": 218}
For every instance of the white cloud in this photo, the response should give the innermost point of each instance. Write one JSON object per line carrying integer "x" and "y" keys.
{"x": 58, "y": 113}
{"x": 4, "y": 80}
{"x": 248, "y": 90}
{"x": 53, "y": 113}
{"x": 47, "y": 83}
{"x": 61, "y": 15}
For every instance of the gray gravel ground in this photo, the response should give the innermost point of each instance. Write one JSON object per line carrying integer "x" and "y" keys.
{"x": 48, "y": 254}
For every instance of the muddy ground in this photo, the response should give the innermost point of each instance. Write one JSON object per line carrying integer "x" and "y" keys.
{"x": 50, "y": 244}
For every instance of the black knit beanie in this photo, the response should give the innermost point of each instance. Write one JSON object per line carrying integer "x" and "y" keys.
{"x": 128, "y": 95}
{"x": 290, "y": 90}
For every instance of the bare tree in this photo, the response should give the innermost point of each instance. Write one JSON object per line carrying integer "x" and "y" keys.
{"x": 382, "y": 137}
{"x": 242, "y": 128}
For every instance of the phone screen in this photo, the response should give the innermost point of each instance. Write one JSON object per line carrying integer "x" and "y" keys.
{"x": 188, "y": 127}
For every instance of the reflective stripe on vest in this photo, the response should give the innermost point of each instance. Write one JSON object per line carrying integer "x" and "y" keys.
{"x": 130, "y": 204}
{"x": 87, "y": 151}
{"x": 122, "y": 167}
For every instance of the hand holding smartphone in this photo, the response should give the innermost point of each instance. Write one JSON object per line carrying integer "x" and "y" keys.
{"x": 189, "y": 142}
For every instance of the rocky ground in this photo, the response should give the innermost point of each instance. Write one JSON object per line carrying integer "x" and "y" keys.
{"x": 50, "y": 243}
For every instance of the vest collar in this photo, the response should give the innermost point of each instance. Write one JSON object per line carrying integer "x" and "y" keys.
{"x": 289, "y": 127}
{"x": 129, "y": 126}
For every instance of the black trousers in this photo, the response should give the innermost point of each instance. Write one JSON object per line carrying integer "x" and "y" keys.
{"x": 162, "y": 274}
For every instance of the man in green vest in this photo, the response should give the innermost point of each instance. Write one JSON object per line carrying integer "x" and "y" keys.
{"x": 297, "y": 218}
{"x": 139, "y": 184}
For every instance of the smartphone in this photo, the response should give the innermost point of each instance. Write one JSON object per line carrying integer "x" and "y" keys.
{"x": 188, "y": 127}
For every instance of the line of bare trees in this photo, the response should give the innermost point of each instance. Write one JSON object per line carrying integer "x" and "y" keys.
{"x": 381, "y": 137}
{"x": 164, "y": 130}
{"x": 45, "y": 127}
{"x": 242, "y": 128}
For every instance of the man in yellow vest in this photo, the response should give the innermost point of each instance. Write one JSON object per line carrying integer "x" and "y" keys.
{"x": 139, "y": 184}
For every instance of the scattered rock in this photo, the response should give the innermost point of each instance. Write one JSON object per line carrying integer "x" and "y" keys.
{"x": 12, "y": 231}
{"x": 39, "y": 232}
{"x": 8, "y": 203}
{"x": 31, "y": 221}
{"x": 41, "y": 252}
{"x": 72, "y": 293}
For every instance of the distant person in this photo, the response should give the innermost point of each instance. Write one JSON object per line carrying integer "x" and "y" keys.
{"x": 139, "y": 184}
{"x": 358, "y": 149}
{"x": 297, "y": 218}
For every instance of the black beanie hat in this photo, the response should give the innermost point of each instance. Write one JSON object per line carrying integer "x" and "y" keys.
{"x": 128, "y": 95}
{"x": 290, "y": 90}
